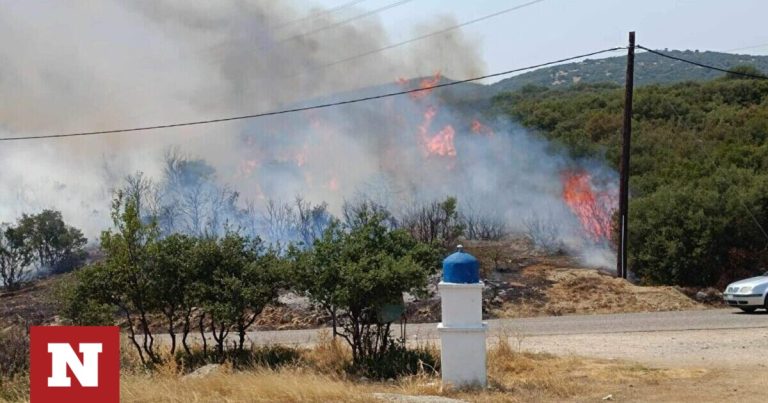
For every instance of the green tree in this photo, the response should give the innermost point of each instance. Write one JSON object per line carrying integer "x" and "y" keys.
{"x": 129, "y": 258}
{"x": 176, "y": 278}
{"x": 698, "y": 205}
{"x": 437, "y": 222}
{"x": 354, "y": 272}
{"x": 15, "y": 257}
{"x": 56, "y": 245}
{"x": 244, "y": 276}
{"x": 744, "y": 71}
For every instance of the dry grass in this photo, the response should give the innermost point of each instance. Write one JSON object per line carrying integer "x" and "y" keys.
{"x": 589, "y": 291}
{"x": 257, "y": 386}
{"x": 514, "y": 376}
{"x": 329, "y": 355}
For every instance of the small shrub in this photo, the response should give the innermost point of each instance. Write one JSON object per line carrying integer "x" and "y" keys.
{"x": 14, "y": 352}
{"x": 273, "y": 357}
{"x": 396, "y": 362}
{"x": 14, "y": 364}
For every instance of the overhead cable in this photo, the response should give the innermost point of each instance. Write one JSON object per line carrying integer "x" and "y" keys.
{"x": 310, "y": 107}
{"x": 706, "y": 66}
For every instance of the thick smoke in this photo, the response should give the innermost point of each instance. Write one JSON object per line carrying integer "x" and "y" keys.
{"x": 86, "y": 66}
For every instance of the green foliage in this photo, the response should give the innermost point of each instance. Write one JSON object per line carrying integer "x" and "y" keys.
{"x": 270, "y": 356}
{"x": 15, "y": 257}
{"x": 397, "y": 361}
{"x": 55, "y": 245}
{"x": 242, "y": 277}
{"x": 225, "y": 282}
{"x": 698, "y": 169}
{"x": 649, "y": 69}
{"x": 41, "y": 241}
{"x": 354, "y": 271}
{"x": 86, "y": 299}
{"x": 743, "y": 71}
{"x": 437, "y": 222}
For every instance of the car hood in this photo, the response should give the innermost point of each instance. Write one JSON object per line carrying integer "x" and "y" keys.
{"x": 753, "y": 282}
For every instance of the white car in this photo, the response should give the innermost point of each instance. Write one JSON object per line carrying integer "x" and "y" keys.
{"x": 748, "y": 294}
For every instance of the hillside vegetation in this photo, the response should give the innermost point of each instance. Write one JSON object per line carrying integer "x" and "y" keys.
{"x": 698, "y": 184}
{"x": 649, "y": 69}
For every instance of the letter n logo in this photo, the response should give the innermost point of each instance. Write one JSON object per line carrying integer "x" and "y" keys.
{"x": 78, "y": 364}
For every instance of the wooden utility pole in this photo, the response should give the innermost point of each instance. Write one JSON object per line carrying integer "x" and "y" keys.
{"x": 626, "y": 137}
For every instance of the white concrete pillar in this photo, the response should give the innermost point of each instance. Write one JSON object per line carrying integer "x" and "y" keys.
{"x": 462, "y": 331}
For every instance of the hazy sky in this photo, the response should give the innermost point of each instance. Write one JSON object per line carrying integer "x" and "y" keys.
{"x": 554, "y": 29}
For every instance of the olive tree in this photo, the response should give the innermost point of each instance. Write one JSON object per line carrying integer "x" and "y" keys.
{"x": 352, "y": 272}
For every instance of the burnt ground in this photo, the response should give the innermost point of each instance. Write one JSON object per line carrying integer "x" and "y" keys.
{"x": 33, "y": 304}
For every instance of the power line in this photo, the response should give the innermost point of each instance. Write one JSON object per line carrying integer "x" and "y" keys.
{"x": 346, "y": 21}
{"x": 319, "y": 13}
{"x": 323, "y": 28}
{"x": 706, "y": 66}
{"x": 762, "y": 45}
{"x": 311, "y": 107}
{"x": 440, "y": 32}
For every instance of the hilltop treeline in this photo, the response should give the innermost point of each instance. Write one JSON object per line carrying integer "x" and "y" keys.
{"x": 698, "y": 183}
{"x": 650, "y": 69}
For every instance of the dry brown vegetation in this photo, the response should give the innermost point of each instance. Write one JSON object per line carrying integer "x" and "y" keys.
{"x": 588, "y": 291}
{"x": 525, "y": 283}
{"x": 514, "y": 376}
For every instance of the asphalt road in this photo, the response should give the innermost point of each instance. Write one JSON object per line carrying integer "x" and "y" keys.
{"x": 647, "y": 322}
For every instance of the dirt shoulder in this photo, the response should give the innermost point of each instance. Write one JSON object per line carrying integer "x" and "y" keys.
{"x": 705, "y": 365}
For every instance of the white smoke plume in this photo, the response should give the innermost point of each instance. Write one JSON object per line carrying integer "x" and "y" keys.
{"x": 84, "y": 66}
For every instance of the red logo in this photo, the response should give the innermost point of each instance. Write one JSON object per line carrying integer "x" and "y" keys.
{"x": 74, "y": 364}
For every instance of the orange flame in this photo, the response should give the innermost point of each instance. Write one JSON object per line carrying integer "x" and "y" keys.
{"x": 333, "y": 184}
{"x": 479, "y": 128}
{"x": 440, "y": 143}
{"x": 593, "y": 208}
{"x": 425, "y": 85}
{"x": 247, "y": 167}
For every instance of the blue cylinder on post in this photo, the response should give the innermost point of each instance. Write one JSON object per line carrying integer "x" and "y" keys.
{"x": 461, "y": 267}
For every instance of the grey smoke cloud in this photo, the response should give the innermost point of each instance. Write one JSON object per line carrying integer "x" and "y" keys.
{"x": 90, "y": 66}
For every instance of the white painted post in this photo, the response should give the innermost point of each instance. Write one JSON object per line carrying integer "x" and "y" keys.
{"x": 462, "y": 331}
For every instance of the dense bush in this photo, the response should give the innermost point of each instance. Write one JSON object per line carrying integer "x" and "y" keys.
{"x": 211, "y": 285}
{"x": 218, "y": 285}
{"x": 359, "y": 269}
{"x": 698, "y": 202}
{"x": 40, "y": 242}
{"x": 397, "y": 361}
